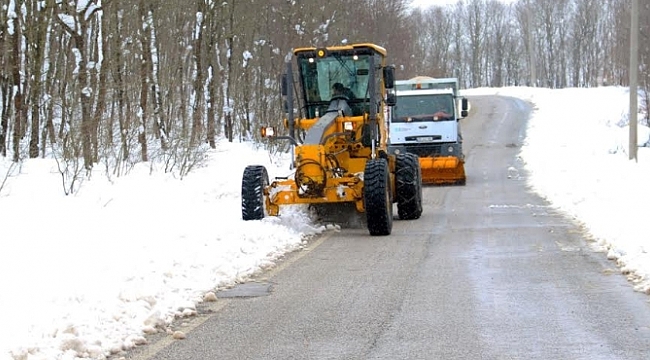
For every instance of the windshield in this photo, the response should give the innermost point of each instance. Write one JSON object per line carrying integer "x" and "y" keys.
{"x": 320, "y": 74}
{"x": 424, "y": 108}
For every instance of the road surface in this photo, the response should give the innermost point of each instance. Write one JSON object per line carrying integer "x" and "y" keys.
{"x": 489, "y": 271}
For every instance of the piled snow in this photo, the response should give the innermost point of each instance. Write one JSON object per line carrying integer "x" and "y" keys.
{"x": 87, "y": 274}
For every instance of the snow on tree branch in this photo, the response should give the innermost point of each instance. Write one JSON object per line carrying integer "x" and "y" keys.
{"x": 11, "y": 14}
{"x": 247, "y": 56}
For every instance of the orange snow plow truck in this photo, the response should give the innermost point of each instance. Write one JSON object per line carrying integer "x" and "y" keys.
{"x": 425, "y": 123}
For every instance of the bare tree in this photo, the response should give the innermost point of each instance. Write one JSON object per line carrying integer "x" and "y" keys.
{"x": 197, "y": 75}
{"x": 435, "y": 38}
{"x": 497, "y": 35}
{"x": 16, "y": 63}
{"x": 118, "y": 70}
{"x": 585, "y": 23}
{"x": 476, "y": 25}
{"x": 644, "y": 57}
{"x": 549, "y": 15}
{"x": 36, "y": 26}
{"x": 145, "y": 43}
{"x": 159, "y": 124}
{"x": 229, "y": 81}
{"x": 617, "y": 49}
{"x": 5, "y": 77}
{"x": 78, "y": 29}
{"x": 212, "y": 41}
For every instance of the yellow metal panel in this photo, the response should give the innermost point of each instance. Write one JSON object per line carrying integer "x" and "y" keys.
{"x": 442, "y": 170}
{"x": 346, "y": 189}
{"x": 375, "y": 47}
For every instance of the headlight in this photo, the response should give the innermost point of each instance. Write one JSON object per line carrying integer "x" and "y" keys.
{"x": 348, "y": 126}
{"x": 267, "y": 131}
{"x": 397, "y": 152}
{"x": 450, "y": 149}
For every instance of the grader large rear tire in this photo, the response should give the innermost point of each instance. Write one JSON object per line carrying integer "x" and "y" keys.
{"x": 254, "y": 180}
{"x": 377, "y": 197}
{"x": 408, "y": 186}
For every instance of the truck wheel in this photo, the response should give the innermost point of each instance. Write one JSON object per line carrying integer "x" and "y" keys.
{"x": 408, "y": 177}
{"x": 253, "y": 182}
{"x": 377, "y": 197}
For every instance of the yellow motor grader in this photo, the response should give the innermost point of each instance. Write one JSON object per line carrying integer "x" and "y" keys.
{"x": 337, "y": 127}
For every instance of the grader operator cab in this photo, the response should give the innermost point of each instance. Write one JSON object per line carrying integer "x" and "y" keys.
{"x": 339, "y": 140}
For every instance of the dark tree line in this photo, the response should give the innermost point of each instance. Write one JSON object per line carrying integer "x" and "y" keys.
{"x": 120, "y": 81}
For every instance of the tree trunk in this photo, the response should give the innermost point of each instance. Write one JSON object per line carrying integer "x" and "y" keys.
{"x": 144, "y": 86}
{"x": 212, "y": 101}
{"x": 229, "y": 107}
{"x": 159, "y": 121}
{"x": 17, "y": 85}
{"x": 4, "y": 117}
{"x": 197, "y": 110}
{"x": 119, "y": 69}
{"x": 84, "y": 96}
{"x": 100, "y": 105}
{"x": 37, "y": 32}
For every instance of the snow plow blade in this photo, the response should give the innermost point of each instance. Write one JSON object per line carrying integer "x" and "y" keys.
{"x": 444, "y": 170}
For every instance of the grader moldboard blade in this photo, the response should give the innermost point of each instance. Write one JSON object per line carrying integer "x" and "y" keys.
{"x": 444, "y": 170}
{"x": 344, "y": 215}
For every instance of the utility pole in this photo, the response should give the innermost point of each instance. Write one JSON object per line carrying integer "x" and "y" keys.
{"x": 634, "y": 78}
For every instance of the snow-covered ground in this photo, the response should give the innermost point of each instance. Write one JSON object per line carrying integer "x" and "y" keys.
{"x": 91, "y": 273}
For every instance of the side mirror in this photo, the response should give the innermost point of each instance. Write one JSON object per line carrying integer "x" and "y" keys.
{"x": 391, "y": 99}
{"x": 284, "y": 85}
{"x": 389, "y": 76}
{"x": 464, "y": 113}
{"x": 464, "y": 105}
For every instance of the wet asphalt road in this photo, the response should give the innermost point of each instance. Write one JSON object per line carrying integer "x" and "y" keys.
{"x": 490, "y": 271}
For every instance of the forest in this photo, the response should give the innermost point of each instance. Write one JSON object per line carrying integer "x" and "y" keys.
{"x": 113, "y": 83}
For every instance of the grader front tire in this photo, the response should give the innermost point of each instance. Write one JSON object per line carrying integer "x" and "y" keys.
{"x": 377, "y": 197}
{"x": 254, "y": 180}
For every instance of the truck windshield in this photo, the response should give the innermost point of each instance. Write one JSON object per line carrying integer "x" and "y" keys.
{"x": 424, "y": 108}
{"x": 318, "y": 75}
